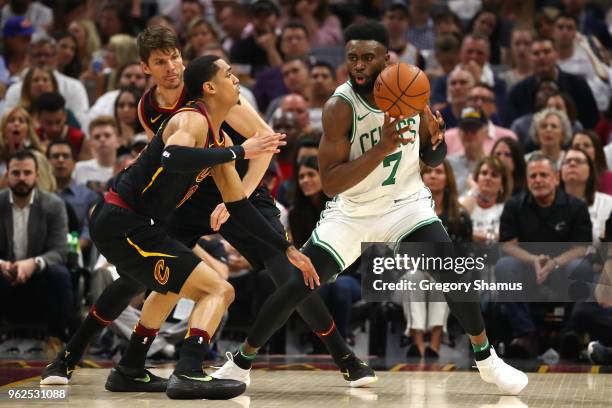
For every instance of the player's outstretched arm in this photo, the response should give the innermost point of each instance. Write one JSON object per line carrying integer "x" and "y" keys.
{"x": 338, "y": 173}
{"x": 243, "y": 212}
{"x": 182, "y": 154}
{"x": 244, "y": 119}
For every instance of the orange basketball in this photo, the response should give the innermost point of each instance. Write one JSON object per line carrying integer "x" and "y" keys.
{"x": 401, "y": 89}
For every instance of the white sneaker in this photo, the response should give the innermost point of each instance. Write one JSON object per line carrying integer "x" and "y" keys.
{"x": 230, "y": 371}
{"x": 508, "y": 379}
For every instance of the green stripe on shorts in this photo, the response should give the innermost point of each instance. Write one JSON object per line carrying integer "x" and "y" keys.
{"x": 328, "y": 248}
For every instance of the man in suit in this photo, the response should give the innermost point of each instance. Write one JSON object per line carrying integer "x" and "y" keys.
{"x": 33, "y": 229}
{"x": 521, "y": 98}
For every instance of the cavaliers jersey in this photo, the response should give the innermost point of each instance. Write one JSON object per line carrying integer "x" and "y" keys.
{"x": 154, "y": 115}
{"x": 397, "y": 177}
{"x": 153, "y": 192}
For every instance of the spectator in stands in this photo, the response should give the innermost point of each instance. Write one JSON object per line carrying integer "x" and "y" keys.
{"x": 396, "y": 18}
{"x": 68, "y": 58}
{"x": 126, "y": 117}
{"x": 579, "y": 179}
{"x": 544, "y": 213}
{"x": 510, "y": 152}
{"x": 200, "y": 33}
{"x": 485, "y": 203}
{"x": 421, "y": 33}
{"x": 52, "y": 116}
{"x": 590, "y": 143}
{"x": 235, "y": 22}
{"x": 61, "y": 155}
{"x": 473, "y": 131}
{"x": 604, "y": 127}
{"x": 480, "y": 96}
{"x": 114, "y": 18}
{"x": 520, "y": 100}
{"x": 259, "y": 49}
{"x": 88, "y": 40}
{"x": 577, "y": 57}
{"x": 550, "y": 131}
{"x": 17, "y": 132}
{"x": 89, "y": 48}
{"x": 190, "y": 10}
{"x": 306, "y": 145}
{"x": 39, "y": 15}
{"x": 130, "y": 76}
{"x": 445, "y": 57}
{"x": 96, "y": 172}
{"x": 162, "y": 21}
{"x": 323, "y": 85}
{"x": 43, "y": 52}
{"x": 38, "y": 80}
{"x": 447, "y": 23}
{"x": 565, "y": 103}
{"x": 324, "y": 28}
{"x": 286, "y": 123}
{"x": 458, "y": 84}
{"x": 270, "y": 83}
{"x": 429, "y": 315}
{"x": 590, "y": 21}
{"x": 297, "y": 105}
{"x": 522, "y": 124}
{"x": 308, "y": 201}
{"x": 121, "y": 50}
{"x": 520, "y": 58}
{"x": 296, "y": 77}
{"x": 33, "y": 252}
{"x": 16, "y": 34}
{"x": 487, "y": 23}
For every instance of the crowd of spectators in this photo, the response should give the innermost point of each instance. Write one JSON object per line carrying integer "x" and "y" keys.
{"x": 525, "y": 88}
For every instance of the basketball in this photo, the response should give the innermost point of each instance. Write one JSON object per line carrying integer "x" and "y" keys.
{"x": 401, "y": 90}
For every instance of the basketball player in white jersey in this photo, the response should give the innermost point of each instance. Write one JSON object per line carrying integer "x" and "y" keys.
{"x": 370, "y": 163}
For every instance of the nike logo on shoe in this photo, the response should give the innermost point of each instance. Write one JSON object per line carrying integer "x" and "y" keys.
{"x": 145, "y": 379}
{"x": 69, "y": 372}
{"x": 203, "y": 379}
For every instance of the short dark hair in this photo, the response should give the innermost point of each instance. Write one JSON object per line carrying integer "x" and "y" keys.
{"x": 198, "y": 71}
{"x": 568, "y": 17}
{"x": 50, "y": 102}
{"x": 327, "y": 65}
{"x": 155, "y": 38}
{"x": 367, "y": 31}
{"x": 295, "y": 25}
{"x": 542, "y": 38}
{"x": 22, "y": 154}
{"x": 60, "y": 143}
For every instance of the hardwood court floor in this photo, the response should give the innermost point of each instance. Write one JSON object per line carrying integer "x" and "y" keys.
{"x": 326, "y": 389}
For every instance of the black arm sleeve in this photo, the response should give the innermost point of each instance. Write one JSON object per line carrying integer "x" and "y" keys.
{"x": 432, "y": 157}
{"x": 182, "y": 159}
{"x": 254, "y": 223}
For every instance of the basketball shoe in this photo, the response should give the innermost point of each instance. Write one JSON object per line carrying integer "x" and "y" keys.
{"x": 56, "y": 373}
{"x": 356, "y": 372}
{"x": 121, "y": 381}
{"x": 508, "y": 379}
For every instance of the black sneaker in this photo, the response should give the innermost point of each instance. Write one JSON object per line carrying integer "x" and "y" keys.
{"x": 200, "y": 385}
{"x": 56, "y": 373}
{"x": 119, "y": 381}
{"x": 356, "y": 372}
{"x": 599, "y": 354}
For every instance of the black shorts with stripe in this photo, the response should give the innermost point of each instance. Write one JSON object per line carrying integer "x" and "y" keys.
{"x": 141, "y": 249}
{"x": 192, "y": 220}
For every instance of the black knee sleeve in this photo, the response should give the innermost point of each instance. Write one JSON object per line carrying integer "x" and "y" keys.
{"x": 116, "y": 297}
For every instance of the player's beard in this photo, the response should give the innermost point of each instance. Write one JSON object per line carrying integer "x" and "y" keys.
{"x": 368, "y": 87}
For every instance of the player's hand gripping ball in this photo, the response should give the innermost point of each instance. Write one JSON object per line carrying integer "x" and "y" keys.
{"x": 401, "y": 90}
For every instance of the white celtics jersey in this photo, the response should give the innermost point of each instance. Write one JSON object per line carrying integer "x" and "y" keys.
{"x": 397, "y": 177}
